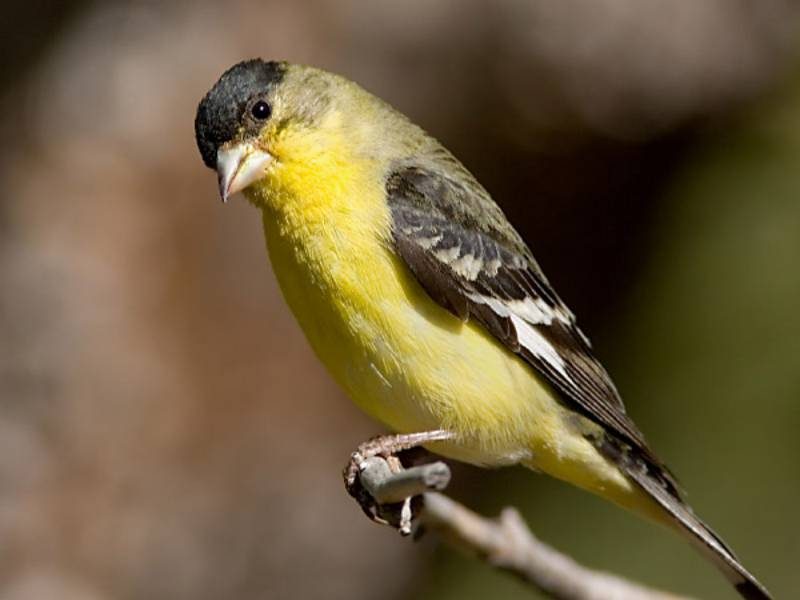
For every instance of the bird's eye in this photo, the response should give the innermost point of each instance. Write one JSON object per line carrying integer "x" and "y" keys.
{"x": 261, "y": 110}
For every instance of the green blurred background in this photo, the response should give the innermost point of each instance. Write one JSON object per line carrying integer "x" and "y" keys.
{"x": 166, "y": 433}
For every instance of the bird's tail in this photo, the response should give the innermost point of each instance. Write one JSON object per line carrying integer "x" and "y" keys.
{"x": 700, "y": 535}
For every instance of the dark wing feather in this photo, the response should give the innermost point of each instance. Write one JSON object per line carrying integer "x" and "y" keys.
{"x": 480, "y": 268}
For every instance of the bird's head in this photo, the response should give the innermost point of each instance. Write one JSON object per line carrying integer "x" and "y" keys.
{"x": 261, "y": 117}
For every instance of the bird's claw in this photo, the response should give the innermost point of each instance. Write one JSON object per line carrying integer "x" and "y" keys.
{"x": 383, "y": 446}
{"x": 398, "y": 451}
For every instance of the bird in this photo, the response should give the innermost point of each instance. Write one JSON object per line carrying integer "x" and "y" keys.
{"x": 421, "y": 299}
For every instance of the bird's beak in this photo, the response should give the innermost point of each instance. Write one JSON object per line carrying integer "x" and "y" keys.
{"x": 238, "y": 166}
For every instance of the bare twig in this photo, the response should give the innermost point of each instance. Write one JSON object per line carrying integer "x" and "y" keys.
{"x": 505, "y": 543}
{"x": 387, "y": 487}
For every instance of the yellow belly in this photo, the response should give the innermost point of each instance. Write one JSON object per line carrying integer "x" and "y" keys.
{"x": 412, "y": 365}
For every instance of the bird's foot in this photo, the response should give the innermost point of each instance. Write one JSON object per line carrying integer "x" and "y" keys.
{"x": 395, "y": 452}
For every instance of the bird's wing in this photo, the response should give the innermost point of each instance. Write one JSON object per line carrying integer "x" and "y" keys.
{"x": 463, "y": 252}
{"x": 477, "y": 267}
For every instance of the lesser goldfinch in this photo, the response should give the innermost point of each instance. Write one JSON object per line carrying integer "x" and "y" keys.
{"x": 420, "y": 298}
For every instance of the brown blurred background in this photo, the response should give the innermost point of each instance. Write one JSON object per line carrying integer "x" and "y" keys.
{"x": 165, "y": 432}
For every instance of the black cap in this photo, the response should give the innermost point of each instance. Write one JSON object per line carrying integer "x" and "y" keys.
{"x": 220, "y": 113}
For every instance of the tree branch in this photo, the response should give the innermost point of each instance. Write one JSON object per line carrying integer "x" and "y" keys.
{"x": 505, "y": 543}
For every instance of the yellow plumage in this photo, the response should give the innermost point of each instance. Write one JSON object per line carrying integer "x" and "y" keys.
{"x": 401, "y": 357}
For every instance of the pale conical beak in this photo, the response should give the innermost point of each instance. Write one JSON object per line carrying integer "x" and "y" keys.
{"x": 239, "y": 166}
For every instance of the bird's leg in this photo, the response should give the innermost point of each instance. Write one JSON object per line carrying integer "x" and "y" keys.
{"x": 386, "y": 447}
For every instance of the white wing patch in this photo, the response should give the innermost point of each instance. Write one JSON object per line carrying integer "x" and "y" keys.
{"x": 535, "y": 311}
{"x": 428, "y": 243}
{"x": 467, "y": 266}
{"x": 524, "y": 314}
{"x": 448, "y": 255}
{"x": 536, "y": 343}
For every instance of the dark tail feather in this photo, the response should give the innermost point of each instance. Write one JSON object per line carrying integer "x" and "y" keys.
{"x": 701, "y": 536}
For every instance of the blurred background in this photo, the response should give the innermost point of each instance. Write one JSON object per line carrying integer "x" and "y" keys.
{"x": 165, "y": 432}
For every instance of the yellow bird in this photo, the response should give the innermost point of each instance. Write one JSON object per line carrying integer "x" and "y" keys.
{"x": 419, "y": 296}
